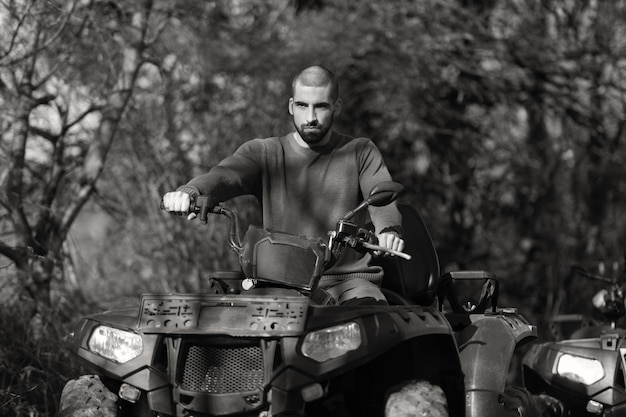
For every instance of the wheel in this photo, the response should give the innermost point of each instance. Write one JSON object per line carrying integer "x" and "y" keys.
{"x": 416, "y": 398}
{"x": 523, "y": 402}
{"x": 87, "y": 396}
{"x": 552, "y": 407}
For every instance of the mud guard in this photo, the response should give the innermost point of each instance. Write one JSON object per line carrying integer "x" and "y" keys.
{"x": 486, "y": 347}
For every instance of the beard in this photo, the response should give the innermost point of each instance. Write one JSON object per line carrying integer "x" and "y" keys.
{"x": 313, "y": 134}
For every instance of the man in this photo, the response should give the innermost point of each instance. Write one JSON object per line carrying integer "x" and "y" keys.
{"x": 307, "y": 180}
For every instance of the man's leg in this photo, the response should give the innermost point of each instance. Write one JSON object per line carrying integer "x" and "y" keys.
{"x": 357, "y": 291}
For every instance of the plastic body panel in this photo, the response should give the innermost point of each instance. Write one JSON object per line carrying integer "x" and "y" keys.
{"x": 539, "y": 373}
{"x": 486, "y": 345}
{"x": 385, "y": 329}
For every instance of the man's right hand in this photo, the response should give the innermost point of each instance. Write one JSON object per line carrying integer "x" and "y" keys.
{"x": 178, "y": 202}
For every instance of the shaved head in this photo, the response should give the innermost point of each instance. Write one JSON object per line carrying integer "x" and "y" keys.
{"x": 316, "y": 76}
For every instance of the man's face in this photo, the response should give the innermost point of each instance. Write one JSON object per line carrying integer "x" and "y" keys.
{"x": 313, "y": 110}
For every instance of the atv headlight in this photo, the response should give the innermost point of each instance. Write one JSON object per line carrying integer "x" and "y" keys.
{"x": 332, "y": 342}
{"x": 115, "y": 344}
{"x": 579, "y": 369}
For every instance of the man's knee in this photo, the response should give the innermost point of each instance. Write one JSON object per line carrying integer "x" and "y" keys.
{"x": 353, "y": 290}
{"x": 364, "y": 301}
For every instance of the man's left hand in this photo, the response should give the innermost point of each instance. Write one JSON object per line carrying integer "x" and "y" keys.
{"x": 391, "y": 241}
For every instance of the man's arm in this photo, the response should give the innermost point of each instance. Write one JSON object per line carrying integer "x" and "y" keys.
{"x": 235, "y": 175}
{"x": 387, "y": 220}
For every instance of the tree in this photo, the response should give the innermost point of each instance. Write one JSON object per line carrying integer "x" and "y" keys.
{"x": 67, "y": 75}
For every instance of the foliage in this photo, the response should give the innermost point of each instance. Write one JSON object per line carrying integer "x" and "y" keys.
{"x": 68, "y": 73}
{"x": 33, "y": 372}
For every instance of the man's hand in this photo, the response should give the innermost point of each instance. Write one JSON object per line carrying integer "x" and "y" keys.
{"x": 391, "y": 241}
{"x": 178, "y": 202}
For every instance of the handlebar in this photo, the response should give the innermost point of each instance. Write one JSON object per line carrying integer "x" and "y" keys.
{"x": 608, "y": 303}
{"x": 346, "y": 233}
{"x": 201, "y": 205}
{"x": 583, "y": 272}
{"x": 349, "y": 234}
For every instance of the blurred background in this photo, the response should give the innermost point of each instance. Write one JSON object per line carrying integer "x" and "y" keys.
{"x": 504, "y": 119}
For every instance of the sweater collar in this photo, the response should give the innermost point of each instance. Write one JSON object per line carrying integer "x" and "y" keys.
{"x": 302, "y": 148}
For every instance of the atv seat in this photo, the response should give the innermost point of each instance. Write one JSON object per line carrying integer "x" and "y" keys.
{"x": 415, "y": 280}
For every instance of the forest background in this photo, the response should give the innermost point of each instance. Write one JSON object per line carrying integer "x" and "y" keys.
{"x": 504, "y": 119}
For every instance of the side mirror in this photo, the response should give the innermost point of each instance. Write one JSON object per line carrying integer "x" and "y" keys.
{"x": 384, "y": 193}
{"x": 381, "y": 194}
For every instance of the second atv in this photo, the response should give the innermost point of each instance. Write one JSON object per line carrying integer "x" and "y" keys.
{"x": 585, "y": 370}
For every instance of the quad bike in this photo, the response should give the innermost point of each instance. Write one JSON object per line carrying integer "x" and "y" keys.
{"x": 268, "y": 341}
{"x": 585, "y": 370}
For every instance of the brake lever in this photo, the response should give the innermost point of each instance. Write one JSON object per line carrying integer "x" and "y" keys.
{"x": 366, "y": 235}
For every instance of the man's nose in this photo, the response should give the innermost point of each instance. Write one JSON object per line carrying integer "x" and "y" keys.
{"x": 310, "y": 115}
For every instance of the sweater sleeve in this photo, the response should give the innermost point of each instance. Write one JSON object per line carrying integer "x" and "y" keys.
{"x": 372, "y": 170}
{"x": 235, "y": 175}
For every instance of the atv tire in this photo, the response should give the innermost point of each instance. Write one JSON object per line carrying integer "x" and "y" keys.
{"x": 416, "y": 398}
{"x": 520, "y": 400}
{"x": 87, "y": 396}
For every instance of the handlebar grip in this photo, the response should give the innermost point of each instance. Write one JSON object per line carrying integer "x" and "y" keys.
{"x": 391, "y": 251}
{"x": 200, "y": 205}
{"x": 178, "y": 213}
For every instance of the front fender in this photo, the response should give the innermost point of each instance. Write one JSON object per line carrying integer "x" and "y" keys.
{"x": 486, "y": 347}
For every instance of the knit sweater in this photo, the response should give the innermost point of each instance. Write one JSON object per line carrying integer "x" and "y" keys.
{"x": 304, "y": 191}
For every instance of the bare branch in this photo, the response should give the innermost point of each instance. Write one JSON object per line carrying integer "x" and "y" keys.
{"x": 80, "y": 117}
{"x": 46, "y": 43}
{"x": 16, "y": 32}
{"x": 160, "y": 29}
{"x": 111, "y": 115}
{"x": 49, "y": 75}
{"x": 15, "y": 254}
{"x": 44, "y": 134}
{"x": 43, "y": 100}
{"x": 13, "y": 186}
{"x": 56, "y": 175}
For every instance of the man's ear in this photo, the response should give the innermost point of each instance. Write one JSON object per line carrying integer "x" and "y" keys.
{"x": 291, "y": 106}
{"x": 337, "y": 106}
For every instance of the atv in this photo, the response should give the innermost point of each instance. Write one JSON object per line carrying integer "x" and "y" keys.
{"x": 268, "y": 341}
{"x": 585, "y": 369}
